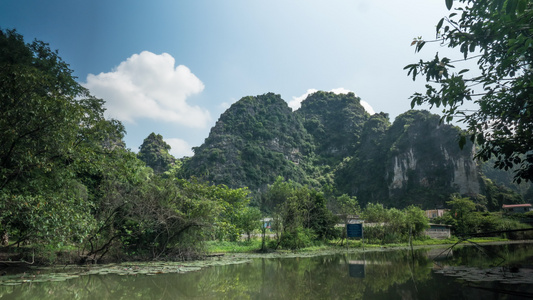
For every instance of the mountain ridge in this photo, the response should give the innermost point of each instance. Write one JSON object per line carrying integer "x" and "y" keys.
{"x": 332, "y": 141}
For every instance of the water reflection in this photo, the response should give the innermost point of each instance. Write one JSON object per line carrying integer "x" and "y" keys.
{"x": 372, "y": 275}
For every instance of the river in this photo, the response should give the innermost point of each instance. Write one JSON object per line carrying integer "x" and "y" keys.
{"x": 464, "y": 272}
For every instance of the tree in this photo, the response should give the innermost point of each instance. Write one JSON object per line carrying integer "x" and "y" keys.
{"x": 230, "y": 222}
{"x": 498, "y": 34}
{"x": 462, "y": 210}
{"x": 416, "y": 220}
{"x": 154, "y": 152}
{"x": 249, "y": 219}
{"x": 52, "y": 130}
{"x": 300, "y": 214}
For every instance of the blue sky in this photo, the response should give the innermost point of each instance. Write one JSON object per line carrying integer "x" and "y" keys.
{"x": 172, "y": 67}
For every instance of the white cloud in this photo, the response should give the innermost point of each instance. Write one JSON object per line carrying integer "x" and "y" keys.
{"x": 296, "y": 102}
{"x": 179, "y": 148}
{"x": 226, "y": 105}
{"x": 338, "y": 91}
{"x": 367, "y": 107}
{"x": 148, "y": 85}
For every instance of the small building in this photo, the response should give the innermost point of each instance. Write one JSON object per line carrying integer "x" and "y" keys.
{"x": 439, "y": 231}
{"x": 267, "y": 223}
{"x": 434, "y": 213}
{"x": 517, "y": 208}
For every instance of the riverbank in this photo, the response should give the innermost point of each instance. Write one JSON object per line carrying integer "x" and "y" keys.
{"x": 27, "y": 256}
{"x": 253, "y": 246}
{"x": 34, "y": 274}
{"x": 325, "y": 250}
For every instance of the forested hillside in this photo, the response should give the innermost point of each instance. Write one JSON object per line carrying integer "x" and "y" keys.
{"x": 416, "y": 160}
{"x": 335, "y": 122}
{"x": 67, "y": 179}
{"x": 332, "y": 143}
{"x": 256, "y": 140}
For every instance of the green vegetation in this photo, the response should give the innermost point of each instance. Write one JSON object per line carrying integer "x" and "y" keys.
{"x": 411, "y": 162}
{"x": 498, "y": 34}
{"x": 335, "y": 122}
{"x": 154, "y": 152}
{"x": 393, "y": 225}
{"x": 300, "y": 215}
{"x": 68, "y": 184}
{"x": 469, "y": 218}
{"x": 248, "y": 246}
{"x": 54, "y": 144}
{"x": 256, "y": 140}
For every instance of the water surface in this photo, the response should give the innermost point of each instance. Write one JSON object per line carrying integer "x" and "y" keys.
{"x": 495, "y": 272}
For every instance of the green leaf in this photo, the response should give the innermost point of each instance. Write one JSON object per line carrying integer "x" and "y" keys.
{"x": 522, "y": 6}
{"x": 439, "y": 25}
{"x": 462, "y": 141}
{"x": 510, "y": 7}
{"x": 472, "y": 47}
{"x": 449, "y": 4}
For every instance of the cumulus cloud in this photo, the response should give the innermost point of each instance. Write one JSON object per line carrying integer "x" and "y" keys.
{"x": 296, "y": 102}
{"x": 367, "y": 107}
{"x": 148, "y": 85}
{"x": 341, "y": 90}
{"x": 179, "y": 148}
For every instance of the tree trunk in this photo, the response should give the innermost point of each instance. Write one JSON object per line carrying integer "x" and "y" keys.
{"x": 5, "y": 238}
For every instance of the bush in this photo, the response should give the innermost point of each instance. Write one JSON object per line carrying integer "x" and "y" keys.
{"x": 299, "y": 238}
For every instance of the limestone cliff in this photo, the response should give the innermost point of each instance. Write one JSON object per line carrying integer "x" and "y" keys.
{"x": 425, "y": 161}
{"x": 332, "y": 141}
{"x": 416, "y": 160}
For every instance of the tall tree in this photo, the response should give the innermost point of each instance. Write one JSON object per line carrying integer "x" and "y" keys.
{"x": 50, "y": 129}
{"x": 499, "y": 35}
{"x": 154, "y": 152}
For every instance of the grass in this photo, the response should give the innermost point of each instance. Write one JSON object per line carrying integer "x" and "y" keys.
{"x": 233, "y": 247}
{"x": 254, "y": 245}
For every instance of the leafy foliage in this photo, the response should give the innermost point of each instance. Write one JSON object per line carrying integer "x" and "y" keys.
{"x": 334, "y": 121}
{"x": 67, "y": 180}
{"x": 414, "y": 161}
{"x": 154, "y": 152}
{"x": 52, "y": 130}
{"x": 369, "y": 186}
{"x": 253, "y": 142}
{"x": 497, "y": 195}
{"x": 468, "y": 217}
{"x": 498, "y": 34}
{"x": 301, "y": 214}
{"x": 393, "y": 225}
{"x": 504, "y": 178}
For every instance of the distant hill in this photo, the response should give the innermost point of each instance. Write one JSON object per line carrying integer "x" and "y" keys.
{"x": 332, "y": 141}
{"x": 335, "y": 122}
{"x": 253, "y": 142}
{"x": 416, "y": 160}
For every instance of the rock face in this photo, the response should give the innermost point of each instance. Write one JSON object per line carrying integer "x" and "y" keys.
{"x": 402, "y": 164}
{"x": 425, "y": 161}
{"x": 332, "y": 140}
{"x": 416, "y": 160}
{"x": 464, "y": 178}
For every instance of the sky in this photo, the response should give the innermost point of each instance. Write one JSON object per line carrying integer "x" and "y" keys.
{"x": 173, "y": 67}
